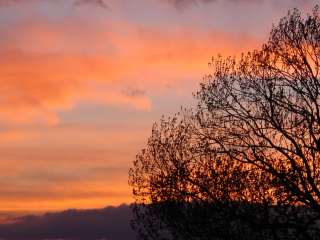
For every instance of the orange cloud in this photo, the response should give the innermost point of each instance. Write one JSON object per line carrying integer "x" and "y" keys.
{"x": 57, "y": 70}
{"x": 66, "y": 166}
{"x": 47, "y": 68}
{"x": 11, "y": 136}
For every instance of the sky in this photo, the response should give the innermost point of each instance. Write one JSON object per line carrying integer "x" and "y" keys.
{"x": 82, "y": 81}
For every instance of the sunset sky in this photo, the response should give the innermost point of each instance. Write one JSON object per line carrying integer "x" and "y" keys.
{"x": 82, "y": 81}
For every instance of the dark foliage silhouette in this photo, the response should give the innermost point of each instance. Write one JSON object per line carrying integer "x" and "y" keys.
{"x": 245, "y": 163}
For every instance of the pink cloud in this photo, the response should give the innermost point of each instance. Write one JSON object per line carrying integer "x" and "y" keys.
{"x": 59, "y": 69}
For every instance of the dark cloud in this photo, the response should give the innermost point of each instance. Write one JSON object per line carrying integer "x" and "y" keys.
{"x": 112, "y": 223}
{"x": 134, "y": 92}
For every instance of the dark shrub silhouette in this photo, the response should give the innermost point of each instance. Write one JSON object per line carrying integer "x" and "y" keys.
{"x": 245, "y": 164}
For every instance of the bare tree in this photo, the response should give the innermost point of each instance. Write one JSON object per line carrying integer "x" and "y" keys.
{"x": 249, "y": 154}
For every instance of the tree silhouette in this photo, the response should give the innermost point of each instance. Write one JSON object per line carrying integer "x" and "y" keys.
{"x": 245, "y": 164}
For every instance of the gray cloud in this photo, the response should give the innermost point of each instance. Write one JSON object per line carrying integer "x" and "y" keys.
{"x": 98, "y": 3}
{"x": 180, "y": 4}
{"x": 184, "y": 3}
{"x": 8, "y": 2}
{"x": 112, "y": 223}
{"x": 78, "y": 3}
